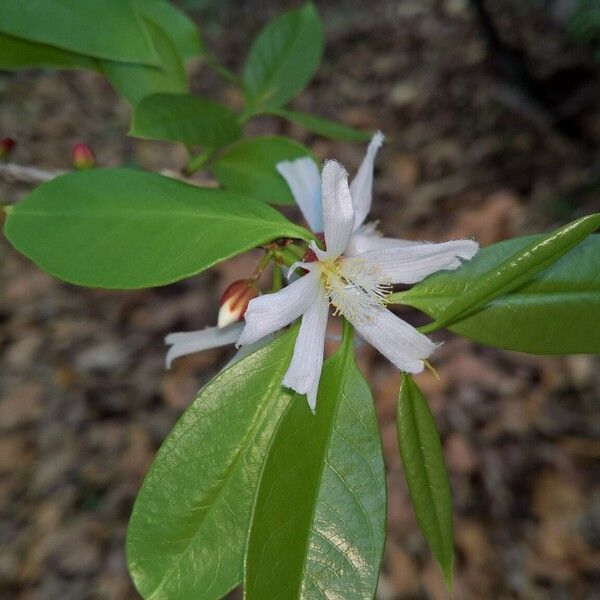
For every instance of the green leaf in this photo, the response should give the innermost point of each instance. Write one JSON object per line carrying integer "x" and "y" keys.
{"x": 185, "y": 118}
{"x": 179, "y": 27}
{"x": 134, "y": 81}
{"x": 518, "y": 268}
{"x": 584, "y": 22}
{"x": 120, "y": 228}
{"x": 188, "y": 529}
{"x": 283, "y": 58}
{"x": 556, "y": 312}
{"x": 16, "y": 53}
{"x": 108, "y": 29}
{"x": 318, "y": 527}
{"x": 248, "y": 167}
{"x": 425, "y": 472}
{"x": 322, "y": 126}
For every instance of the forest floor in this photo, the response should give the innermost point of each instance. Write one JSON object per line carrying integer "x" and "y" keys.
{"x": 85, "y": 400}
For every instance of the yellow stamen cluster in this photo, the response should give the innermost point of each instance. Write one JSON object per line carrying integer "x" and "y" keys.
{"x": 355, "y": 287}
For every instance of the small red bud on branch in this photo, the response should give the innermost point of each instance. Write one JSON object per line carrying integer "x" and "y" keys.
{"x": 6, "y": 147}
{"x": 309, "y": 255}
{"x": 83, "y": 157}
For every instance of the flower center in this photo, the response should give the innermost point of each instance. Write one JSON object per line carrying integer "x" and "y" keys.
{"x": 356, "y": 288}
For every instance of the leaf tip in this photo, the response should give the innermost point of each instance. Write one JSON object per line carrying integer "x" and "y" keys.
{"x": 448, "y": 572}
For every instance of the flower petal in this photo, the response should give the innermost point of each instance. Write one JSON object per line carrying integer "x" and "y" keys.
{"x": 338, "y": 213}
{"x": 398, "y": 341}
{"x": 204, "y": 339}
{"x": 269, "y": 313}
{"x": 409, "y": 264}
{"x": 303, "y": 178}
{"x": 361, "y": 187}
{"x": 304, "y": 371}
{"x": 366, "y": 242}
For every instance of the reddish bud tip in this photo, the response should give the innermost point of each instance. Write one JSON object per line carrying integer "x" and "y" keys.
{"x": 235, "y": 300}
{"x": 83, "y": 157}
{"x": 309, "y": 255}
{"x": 6, "y": 147}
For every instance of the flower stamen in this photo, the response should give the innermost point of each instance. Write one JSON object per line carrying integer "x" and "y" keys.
{"x": 356, "y": 288}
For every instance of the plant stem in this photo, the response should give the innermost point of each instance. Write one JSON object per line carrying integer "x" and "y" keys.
{"x": 221, "y": 70}
{"x": 297, "y": 251}
{"x": 348, "y": 333}
{"x": 286, "y": 257}
{"x": 195, "y": 163}
{"x": 396, "y": 298}
{"x": 264, "y": 261}
{"x": 429, "y": 327}
{"x": 246, "y": 115}
{"x": 277, "y": 279}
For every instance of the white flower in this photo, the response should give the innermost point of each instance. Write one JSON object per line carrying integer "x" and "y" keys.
{"x": 354, "y": 282}
{"x": 353, "y": 273}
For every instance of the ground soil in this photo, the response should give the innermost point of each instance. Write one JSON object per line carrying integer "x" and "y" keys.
{"x": 85, "y": 400}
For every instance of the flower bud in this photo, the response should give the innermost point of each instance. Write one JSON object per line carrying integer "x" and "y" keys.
{"x": 309, "y": 255}
{"x": 6, "y": 146}
{"x": 234, "y": 301}
{"x": 83, "y": 157}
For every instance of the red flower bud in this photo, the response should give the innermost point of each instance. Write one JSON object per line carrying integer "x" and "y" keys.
{"x": 83, "y": 157}
{"x": 6, "y": 146}
{"x": 309, "y": 255}
{"x": 234, "y": 301}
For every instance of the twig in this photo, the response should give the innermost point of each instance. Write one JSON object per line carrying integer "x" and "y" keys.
{"x": 221, "y": 70}
{"x": 20, "y": 174}
{"x": 13, "y": 173}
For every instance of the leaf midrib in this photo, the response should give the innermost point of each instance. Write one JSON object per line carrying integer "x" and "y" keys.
{"x": 134, "y": 214}
{"x": 511, "y": 295}
{"x": 277, "y": 222}
{"x": 271, "y": 73}
{"x": 319, "y": 479}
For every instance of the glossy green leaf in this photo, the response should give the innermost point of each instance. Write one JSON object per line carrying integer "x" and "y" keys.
{"x": 516, "y": 269}
{"x": 185, "y": 118}
{"x": 323, "y": 126}
{"x": 120, "y": 228}
{"x": 248, "y": 167}
{"x": 16, "y": 53}
{"x": 135, "y": 81}
{"x": 425, "y": 472}
{"x": 110, "y": 29}
{"x": 318, "y": 527}
{"x": 556, "y": 312}
{"x": 188, "y": 530}
{"x": 283, "y": 58}
{"x": 179, "y": 27}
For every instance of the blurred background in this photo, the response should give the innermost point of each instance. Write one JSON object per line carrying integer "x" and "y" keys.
{"x": 493, "y": 118}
